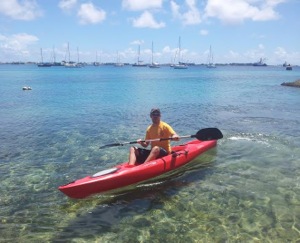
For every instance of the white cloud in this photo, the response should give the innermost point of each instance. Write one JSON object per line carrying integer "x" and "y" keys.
{"x": 256, "y": 54}
{"x": 236, "y": 11}
{"x": 281, "y": 52}
{"x": 175, "y": 8}
{"x": 16, "y": 47}
{"x": 67, "y": 5}
{"x": 191, "y": 16}
{"x": 173, "y": 52}
{"x": 128, "y": 53}
{"x": 281, "y": 55}
{"x": 26, "y": 10}
{"x": 138, "y": 5}
{"x": 89, "y": 14}
{"x": 147, "y": 51}
{"x": 137, "y": 42}
{"x": 166, "y": 49}
{"x": 17, "y": 42}
{"x": 203, "y": 32}
{"x": 261, "y": 47}
{"x": 146, "y": 20}
{"x": 233, "y": 55}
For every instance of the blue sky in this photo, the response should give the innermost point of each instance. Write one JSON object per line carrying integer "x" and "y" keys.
{"x": 237, "y": 30}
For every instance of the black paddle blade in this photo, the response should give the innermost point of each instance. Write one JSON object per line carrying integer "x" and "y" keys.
{"x": 111, "y": 145}
{"x": 206, "y": 134}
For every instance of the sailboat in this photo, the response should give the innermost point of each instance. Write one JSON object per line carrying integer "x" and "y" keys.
{"x": 42, "y": 63}
{"x": 210, "y": 63}
{"x": 139, "y": 63}
{"x": 260, "y": 63}
{"x": 118, "y": 63}
{"x": 71, "y": 64}
{"x": 153, "y": 64}
{"x": 96, "y": 63}
{"x": 180, "y": 65}
{"x": 55, "y": 63}
{"x": 79, "y": 64}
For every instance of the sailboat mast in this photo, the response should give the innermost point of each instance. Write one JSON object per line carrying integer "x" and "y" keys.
{"x": 139, "y": 50}
{"x": 68, "y": 52}
{"x": 210, "y": 55}
{"x": 54, "y": 54}
{"x": 180, "y": 65}
{"x": 179, "y": 50}
{"x": 152, "y": 52}
{"x": 77, "y": 55}
{"x": 42, "y": 55}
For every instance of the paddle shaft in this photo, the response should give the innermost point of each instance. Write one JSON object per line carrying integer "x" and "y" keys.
{"x": 160, "y": 139}
{"x": 144, "y": 141}
{"x": 148, "y": 140}
{"x": 203, "y": 135}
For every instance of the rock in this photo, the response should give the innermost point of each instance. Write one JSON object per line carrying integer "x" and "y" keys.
{"x": 292, "y": 84}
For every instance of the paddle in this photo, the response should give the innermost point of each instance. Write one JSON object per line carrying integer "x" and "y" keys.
{"x": 204, "y": 134}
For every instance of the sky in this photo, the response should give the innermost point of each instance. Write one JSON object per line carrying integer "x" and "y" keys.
{"x": 238, "y": 31}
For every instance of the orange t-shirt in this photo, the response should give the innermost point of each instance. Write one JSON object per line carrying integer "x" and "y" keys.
{"x": 162, "y": 130}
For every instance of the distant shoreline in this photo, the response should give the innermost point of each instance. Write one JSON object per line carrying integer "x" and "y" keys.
{"x": 163, "y": 64}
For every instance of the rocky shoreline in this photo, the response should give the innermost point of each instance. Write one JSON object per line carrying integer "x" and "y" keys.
{"x": 292, "y": 84}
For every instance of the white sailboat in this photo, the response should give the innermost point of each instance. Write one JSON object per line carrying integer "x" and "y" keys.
{"x": 210, "y": 63}
{"x": 79, "y": 64}
{"x": 180, "y": 65}
{"x": 96, "y": 63}
{"x": 118, "y": 63}
{"x": 153, "y": 64}
{"x": 71, "y": 64}
{"x": 42, "y": 63}
{"x": 139, "y": 62}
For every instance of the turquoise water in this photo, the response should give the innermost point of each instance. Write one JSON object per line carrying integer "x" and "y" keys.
{"x": 245, "y": 190}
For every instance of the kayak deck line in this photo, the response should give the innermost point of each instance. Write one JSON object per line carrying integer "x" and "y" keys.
{"x": 123, "y": 175}
{"x": 178, "y": 153}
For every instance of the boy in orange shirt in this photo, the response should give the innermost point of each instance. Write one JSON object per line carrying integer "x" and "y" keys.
{"x": 158, "y": 129}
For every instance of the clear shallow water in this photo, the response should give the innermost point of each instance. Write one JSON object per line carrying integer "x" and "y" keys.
{"x": 246, "y": 189}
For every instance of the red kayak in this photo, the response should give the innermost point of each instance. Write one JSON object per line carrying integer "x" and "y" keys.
{"x": 123, "y": 175}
